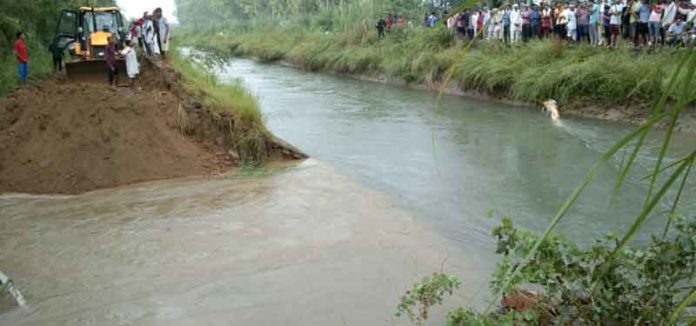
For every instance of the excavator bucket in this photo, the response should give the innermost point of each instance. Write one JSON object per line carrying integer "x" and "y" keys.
{"x": 92, "y": 70}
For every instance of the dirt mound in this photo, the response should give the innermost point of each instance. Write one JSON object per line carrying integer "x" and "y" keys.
{"x": 72, "y": 138}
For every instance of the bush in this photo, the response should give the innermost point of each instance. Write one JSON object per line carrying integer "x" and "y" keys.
{"x": 586, "y": 286}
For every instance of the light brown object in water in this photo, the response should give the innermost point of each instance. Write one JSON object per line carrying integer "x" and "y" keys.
{"x": 551, "y": 106}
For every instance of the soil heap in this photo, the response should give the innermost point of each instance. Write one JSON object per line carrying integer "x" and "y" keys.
{"x": 62, "y": 137}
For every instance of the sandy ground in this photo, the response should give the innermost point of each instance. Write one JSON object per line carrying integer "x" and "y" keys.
{"x": 298, "y": 246}
{"x": 59, "y": 137}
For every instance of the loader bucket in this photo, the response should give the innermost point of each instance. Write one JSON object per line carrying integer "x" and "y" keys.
{"x": 93, "y": 71}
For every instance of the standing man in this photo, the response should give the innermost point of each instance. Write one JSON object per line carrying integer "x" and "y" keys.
{"x": 535, "y": 22}
{"x": 633, "y": 18}
{"x": 381, "y": 25}
{"x": 668, "y": 16}
{"x": 643, "y": 20}
{"x": 163, "y": 32}
{"x": 515, "y": 24}
{"x": 583, "y": 17}
{"x": 546, "y": 20}
{"x": 616, "y": 12}
{"x": 150, "y": 36}
{"x": 110, "y": 58}
{"x": 132, "y": 68}
{"x": 594, "y": 23}
{"x": 572, "y": 23}
{"x": 526, "y": 27}
{"x": 57, "y": 54}
{"x": 20, "y": 50}
{"x": 506, "y": 24}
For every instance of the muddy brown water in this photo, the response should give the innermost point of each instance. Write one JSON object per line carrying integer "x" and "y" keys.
{"x": 297, "y": 245}
{"x": 396, "y": 189}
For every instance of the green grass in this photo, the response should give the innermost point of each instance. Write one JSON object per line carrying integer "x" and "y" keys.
{"x": 40, "y": 66}
{"x": 533, "y": 72}
{"x": 246, "y": 129}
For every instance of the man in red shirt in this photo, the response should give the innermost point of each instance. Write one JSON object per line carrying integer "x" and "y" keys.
{"x": 110, "y": 58}
{"x": 20, "y": 49}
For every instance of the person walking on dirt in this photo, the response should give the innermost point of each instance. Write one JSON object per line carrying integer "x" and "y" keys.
{"x": 162, "y": 31}
{"x": 132, "y": 67}
{"x": 110, "y": 58}
{"x": 57, "y": 54}
{"x": 20, "y": 50}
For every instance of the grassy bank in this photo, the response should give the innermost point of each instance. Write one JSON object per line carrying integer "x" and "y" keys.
{"x": 40, "y": 66}
{"x": 226, "y": 102}
{"x": 574, "y": 76}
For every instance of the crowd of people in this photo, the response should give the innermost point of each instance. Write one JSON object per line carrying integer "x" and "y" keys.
{"x": 151, "y": 33}
{"x": 385, "y": 25}
{"x": 597, "y": 22}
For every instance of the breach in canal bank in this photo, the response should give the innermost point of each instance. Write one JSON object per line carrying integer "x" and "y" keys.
{"x": 71, "y": 137}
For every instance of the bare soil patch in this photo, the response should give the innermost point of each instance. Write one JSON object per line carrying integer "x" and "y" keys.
{"x": 65, "y": 137}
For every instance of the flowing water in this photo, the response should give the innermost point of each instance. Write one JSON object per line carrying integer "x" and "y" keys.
{"x": 396, "y": 188}
{"x": 454, "y": 162}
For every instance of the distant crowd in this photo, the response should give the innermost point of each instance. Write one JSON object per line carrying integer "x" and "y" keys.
{"x": 152, "y": 33}
{"x": 597, "y": 22}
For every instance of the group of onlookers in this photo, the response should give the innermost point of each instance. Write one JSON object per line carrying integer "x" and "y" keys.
{"x": 386, "y": 25}
{"x": 598, "y": 22}
{"x": 152, "y": 33}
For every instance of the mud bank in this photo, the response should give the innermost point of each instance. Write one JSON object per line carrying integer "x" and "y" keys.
{"x": 59, "y": 136}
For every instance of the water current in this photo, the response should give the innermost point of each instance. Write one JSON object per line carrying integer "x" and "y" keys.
{"x": 397, "y": 187}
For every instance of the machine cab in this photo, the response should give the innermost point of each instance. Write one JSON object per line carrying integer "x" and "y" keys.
{"x": 84, "y": 31}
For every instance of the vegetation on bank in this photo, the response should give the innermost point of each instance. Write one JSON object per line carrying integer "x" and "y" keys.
{"x": 247, "y": 131}
{"x": 38, "y": 20}
{"x": 532, "y": 72}
{"x": 613, "y": 281}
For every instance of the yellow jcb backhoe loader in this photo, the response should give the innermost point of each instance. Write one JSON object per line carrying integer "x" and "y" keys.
{"x": 84, "y": 32}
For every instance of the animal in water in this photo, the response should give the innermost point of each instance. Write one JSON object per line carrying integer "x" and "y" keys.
{"x": 551, "y": 107}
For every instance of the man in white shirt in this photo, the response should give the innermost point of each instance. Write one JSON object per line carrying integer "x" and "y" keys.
{"x": 132, "y": 67}
{"x": 572, "y": 23}
{"x": 515, "y": 24}
{"x": 162, "y": 30}
{"x": 497, "y": 22}
{"x": 615, "y": 21}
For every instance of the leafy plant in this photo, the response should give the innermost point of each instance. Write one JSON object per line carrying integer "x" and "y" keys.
{"x": 417, "y": 302}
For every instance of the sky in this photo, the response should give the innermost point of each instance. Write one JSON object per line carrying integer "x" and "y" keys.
{"x": 136, "y": 8}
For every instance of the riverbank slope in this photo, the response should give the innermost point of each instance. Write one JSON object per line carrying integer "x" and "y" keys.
{"x": 618, "y": 85}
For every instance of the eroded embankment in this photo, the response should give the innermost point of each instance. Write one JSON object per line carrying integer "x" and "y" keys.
{"x": 68, "y": 137}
